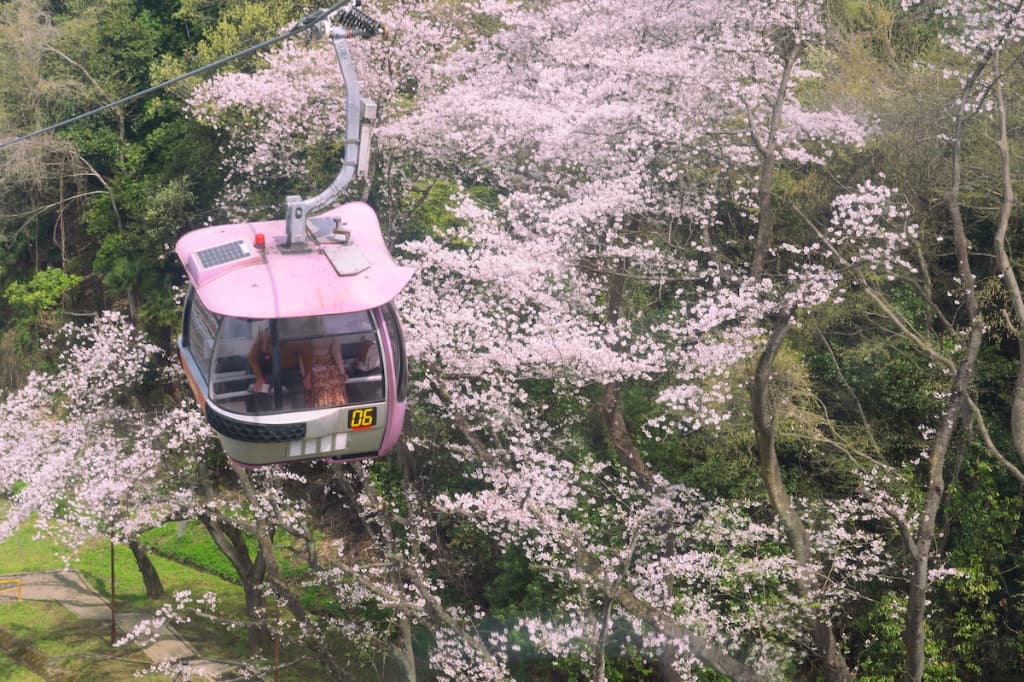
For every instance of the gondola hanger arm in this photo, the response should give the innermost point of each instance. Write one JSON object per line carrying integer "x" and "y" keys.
{"x": 340, "y": 25}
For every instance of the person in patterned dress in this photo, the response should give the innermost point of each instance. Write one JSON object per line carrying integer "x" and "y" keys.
{"x": 324, "y": 378}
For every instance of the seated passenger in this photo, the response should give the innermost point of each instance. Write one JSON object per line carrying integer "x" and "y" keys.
{"x": 366, "y": 361}
{"x": 260, "y": 362}
{"x": 323, "y": 375}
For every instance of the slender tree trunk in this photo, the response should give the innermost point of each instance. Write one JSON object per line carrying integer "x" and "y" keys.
{"x": 1007, "y": 273}
{"x": 768, "y": 149}
{"x": 601, "y": 642}
{"x": 917, "y": 595}
{"x": 251, "y": 572}
{"x": 405, "y": 655}
{"x": 150, "y": 577}
{"x": 1017, "y": 409}
{"x": 827, "y": 648}
{"x": 611, "y": 397}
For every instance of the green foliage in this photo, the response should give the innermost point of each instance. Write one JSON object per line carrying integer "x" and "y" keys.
{"x": 144, "y": 155}
{"x": 879, "y": 655}
{"x": 984, "y": 548}
{"x": 620, "y": 666}
{"x": 861, "y": 375}
{"x": 430, "y": 214}
{"x": 223, "y": 28}
{"x": 116, "y": 40}
{"x": 884, "y": 30}
{"x": 15, "y": 488}
{"x": 241, "y": 24}
{"x": 43, "y": 292}
{"x": 133, "y": 260}
{"x": 193, "y": 546}
{"x": 514, "y": 587}
{"x": 34, "y": 306}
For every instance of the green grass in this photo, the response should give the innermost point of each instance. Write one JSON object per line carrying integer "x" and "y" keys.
{"x": 21, "y": 553}
{"x": 196, "y": 565}
{"x": 79, "y": 649}
{"x": 10, "y": 671}
{"x": 190, "y": 544}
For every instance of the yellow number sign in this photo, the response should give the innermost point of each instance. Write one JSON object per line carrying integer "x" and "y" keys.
{"x": 362, "y": 418}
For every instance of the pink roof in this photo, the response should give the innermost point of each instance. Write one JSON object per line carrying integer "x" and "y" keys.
{"x": 275, "y": 284}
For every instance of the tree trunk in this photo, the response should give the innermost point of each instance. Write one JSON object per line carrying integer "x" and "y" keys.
{"x": 827, "y": 649}
{"x": 917, "y": 595}
{"x": 251, "y": 573}
{"x": 260, "y": 639}
{"x": 150, "y": 577}
{"x": 611, "y": 397}
{"x": 1007, "y": 273}
{"x": 768, "y": 150}
{"x": 601, "y": 642}
{"x": 615, "y": 425}
{"x": 405, "y": 655}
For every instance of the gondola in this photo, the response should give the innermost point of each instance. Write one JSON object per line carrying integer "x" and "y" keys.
{"x": 290, "y": 337}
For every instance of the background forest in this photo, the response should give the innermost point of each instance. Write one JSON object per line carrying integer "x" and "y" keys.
{"x": 716, "y": 337}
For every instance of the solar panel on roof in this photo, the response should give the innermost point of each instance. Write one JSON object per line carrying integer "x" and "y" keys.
{"x": 224, "y": 253}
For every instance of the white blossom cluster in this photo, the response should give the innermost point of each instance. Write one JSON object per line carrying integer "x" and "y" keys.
{"x": 80, "y": 457}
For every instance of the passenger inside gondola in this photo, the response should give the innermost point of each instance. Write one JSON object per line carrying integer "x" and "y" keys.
{"x": 323, "y": 375}
{"x": 366, "y": 361}
{"x": 293, "y": 355}
{"x": 272, "y": 366}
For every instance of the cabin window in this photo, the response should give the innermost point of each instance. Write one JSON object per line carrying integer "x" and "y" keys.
{"x": 397, "y": 349}
{"x": 267, "y": 366}
{"x": 200, "y": 332}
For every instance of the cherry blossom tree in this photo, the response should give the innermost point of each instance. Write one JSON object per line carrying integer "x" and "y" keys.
{"x": 600, "y": 178}
{"x": 82, "y": 457}
{"x": 629, "y": 161}
{"x": 618, "y": 220}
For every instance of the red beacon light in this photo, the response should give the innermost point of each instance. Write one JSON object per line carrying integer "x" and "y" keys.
{"x": 290, "y": 339}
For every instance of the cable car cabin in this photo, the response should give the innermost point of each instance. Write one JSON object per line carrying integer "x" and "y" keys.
{"x": 294, "y": 351}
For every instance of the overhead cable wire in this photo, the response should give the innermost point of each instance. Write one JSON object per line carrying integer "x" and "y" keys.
{"x": 307, "y": 22}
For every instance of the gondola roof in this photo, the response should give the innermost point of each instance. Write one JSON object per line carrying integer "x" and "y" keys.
{"x": 235, "y": 276}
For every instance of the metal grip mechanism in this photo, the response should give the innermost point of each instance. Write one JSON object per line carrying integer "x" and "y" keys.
{"x": 360, "y": 114}
{"x": 359, "y": 23}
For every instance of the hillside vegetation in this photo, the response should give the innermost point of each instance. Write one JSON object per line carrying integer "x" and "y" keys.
{"x": 716, "y": 338}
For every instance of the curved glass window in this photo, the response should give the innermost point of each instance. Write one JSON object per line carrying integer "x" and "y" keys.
{"x": 200, "y": 332}
{"x": 303, "y": 363}
{"x": 397, "y": 349}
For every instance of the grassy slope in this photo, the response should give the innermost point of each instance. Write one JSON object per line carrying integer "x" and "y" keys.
{"x": 201, "y": 568}
{"x": 10, "y": 671}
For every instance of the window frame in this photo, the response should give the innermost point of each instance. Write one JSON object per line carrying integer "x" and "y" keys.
{"x": 279, "y": 400}
{"x": 396, "y": 336}
{"x": 189, "y": 327}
